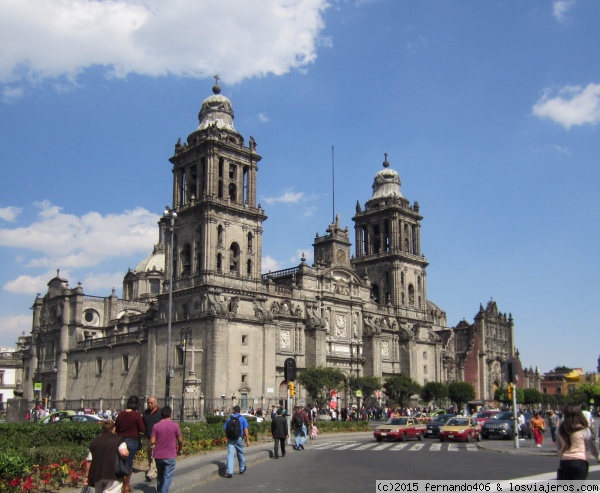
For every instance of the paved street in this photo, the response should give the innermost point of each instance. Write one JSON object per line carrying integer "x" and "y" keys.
{"x": 352, "y": 462}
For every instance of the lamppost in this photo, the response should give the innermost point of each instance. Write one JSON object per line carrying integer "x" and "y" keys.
{"x": 185, "y": 340}
{"x": 172, "y": 215}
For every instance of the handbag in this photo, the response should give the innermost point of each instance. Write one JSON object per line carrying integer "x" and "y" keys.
{"x": 121, "y": 467}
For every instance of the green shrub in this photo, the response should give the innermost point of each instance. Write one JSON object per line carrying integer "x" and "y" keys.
{"x": 13, "y": 465}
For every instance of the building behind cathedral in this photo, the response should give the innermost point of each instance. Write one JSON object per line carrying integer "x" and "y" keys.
{"x": 365, "y": 313}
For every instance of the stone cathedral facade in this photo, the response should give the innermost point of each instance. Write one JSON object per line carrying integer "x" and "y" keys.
{"x": 366, "y": 313}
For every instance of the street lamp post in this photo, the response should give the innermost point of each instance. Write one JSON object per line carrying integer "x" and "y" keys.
{"x": 186, "y": 339}
{"x": 172, "y": 215}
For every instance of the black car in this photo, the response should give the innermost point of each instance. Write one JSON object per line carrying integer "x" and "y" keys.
{"x": 433, "y": 427}
{"x": 503, "y": 425}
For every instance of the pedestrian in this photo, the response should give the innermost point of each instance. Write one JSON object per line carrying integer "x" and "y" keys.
{"x": 521, "y": 423}
{"x": 151, "y": 416}
{"x": 574, "y": 440}
{"x": 314, "y": 432}
{"x": 553, "y": 425}
{"x": 236, "y": 429}
{"x": 538, "y": 426}
{"x": 130, "y": 426}
{"x": 100, "y": 466}
{"x": 167, "y": 441}
{"x": 279, "y": 431}
{"x": 301, "y": 423}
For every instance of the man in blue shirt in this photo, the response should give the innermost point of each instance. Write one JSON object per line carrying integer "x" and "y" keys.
{"x": 235, "y": 444}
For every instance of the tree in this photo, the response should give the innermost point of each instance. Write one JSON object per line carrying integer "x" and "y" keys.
{"x": 532, "y": 396}
{"x": 460, "y": 393}
{"x": 563, "y": 369}
{"x": 434, "y": 392}
{"x": 584, "y": 394}
{"x": 501, "y": 395}
{"x": 400, "y": 389}
{"x": 320, "y": 382}
{"x": 367, "y": 385}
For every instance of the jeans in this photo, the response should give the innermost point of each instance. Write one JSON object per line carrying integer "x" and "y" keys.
{"x": 132, "y": 446}
{"x": 233, "y": 447}
{"x": 569, "y": 470}
{"x": 165, "y": 469}
{"x": 300, "y": 435}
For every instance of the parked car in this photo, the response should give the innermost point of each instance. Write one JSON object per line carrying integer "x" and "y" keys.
{"x": 80, "y": 418}
{"x": 462, "y": 429}
{"x": 483, "y": 416}
{"x": 250, "y": 417}
{"x": 400, "y": 429}
{"x": 56, "y": 416}
{"x": 503, "y": 425}
{"x": 433, "y": 427}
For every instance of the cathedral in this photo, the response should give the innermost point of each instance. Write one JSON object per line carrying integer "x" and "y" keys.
{"x": 199, "y": 323}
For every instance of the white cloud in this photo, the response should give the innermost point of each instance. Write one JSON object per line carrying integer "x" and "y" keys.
{"x": 9, "y": 213}
{"x": 263, "y": 118}
{"x": 26, "y": 284}
{"x": 59, "y": 39}
{"x": 562, "y": 150}
{"x": 96, "y": 283}
{"x": 287, "y": 197}
{"x": 68, "y": 241}
{"x": 269, "y": 264}
{"x": 12, "y": 327}
{"x": 560, "y": 9}
{"x": 573, "y": 105}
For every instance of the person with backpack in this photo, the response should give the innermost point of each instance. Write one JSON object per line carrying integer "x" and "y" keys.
{"x": 236, "y": 430}
{"x": 301, "y": 423}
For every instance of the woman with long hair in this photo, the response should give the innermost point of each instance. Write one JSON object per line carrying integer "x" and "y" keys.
{"x": 574, "y": 441}
{"x": 130, "y": 425}
{"x": 100, "y": 466}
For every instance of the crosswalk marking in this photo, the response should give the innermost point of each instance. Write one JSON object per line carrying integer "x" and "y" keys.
{"x": 382, "y": 446}
{"x": 364, "y": 447}
{"x": 395, "y": 447}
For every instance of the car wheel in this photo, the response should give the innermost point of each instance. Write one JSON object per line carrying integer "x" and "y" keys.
{"x": 479, "y": 437}
{"x": 442, "y": 439}
{"x": 378, "y": 439}
{"x": 468, "y": 437}
{"x": 420, "y": 437}
{"x": 403, "y": 437}
{"x": 485, "y": 437}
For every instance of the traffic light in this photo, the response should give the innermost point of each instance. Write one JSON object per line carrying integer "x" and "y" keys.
{"x": 510, "y": 370}
{"x": 291, "y": 387}
{"x": 289, "y": 369}
{"x": 510, "y": 390}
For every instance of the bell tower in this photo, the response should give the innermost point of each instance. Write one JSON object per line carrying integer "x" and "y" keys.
{"x": 388, "y": 245}
{"x": 218, "y": 231}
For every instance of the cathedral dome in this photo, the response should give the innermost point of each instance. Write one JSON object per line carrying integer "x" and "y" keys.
{"x": 156, "y": 261}
{"x": 216, "y": 110}
{"x": 386, "y": 182}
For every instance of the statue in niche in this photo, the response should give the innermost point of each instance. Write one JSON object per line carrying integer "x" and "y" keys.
{"x": 385, "y": 349}
{"x": 285, "y": 339}
{"x": 355, "y": 325}
{"x": 340, "y": 327}
{"x": 327, "y": 328}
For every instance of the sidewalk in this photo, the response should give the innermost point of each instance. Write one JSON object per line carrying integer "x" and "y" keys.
{"x": 526, "y": 447}
{"x": 193, "y": 470}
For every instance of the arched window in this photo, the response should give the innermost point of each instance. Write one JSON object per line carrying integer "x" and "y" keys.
{"x": 219, "y": 262}
{"x": 250, "y": 238}
{"x": 249, "y": 268}
{"x": 411, "y": 295}
{"x": 234, "y": 258}
{"x": 220, "y": 235}
{"x": 186, "y": 259}
{"x": 375, "y": 293}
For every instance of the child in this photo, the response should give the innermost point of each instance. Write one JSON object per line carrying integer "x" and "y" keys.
{"x": 314, "y": 432}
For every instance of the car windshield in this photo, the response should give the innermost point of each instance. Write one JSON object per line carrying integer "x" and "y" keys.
{"x": 458, "y": 422}
{"x": 396, "y": 421}
{"x": 442, "y": 418}
{"x": 503, "y": 416}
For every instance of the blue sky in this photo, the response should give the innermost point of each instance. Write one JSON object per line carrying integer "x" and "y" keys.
{"x": 488, "y": 110}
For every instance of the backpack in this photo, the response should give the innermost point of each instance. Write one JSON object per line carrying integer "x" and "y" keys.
{"x": 233, "y": 431}
{"x": 298, "y": 421}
